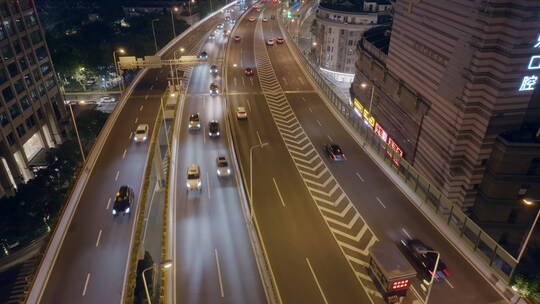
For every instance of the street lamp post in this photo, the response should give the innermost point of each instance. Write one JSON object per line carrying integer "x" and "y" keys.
{"x": 164, "y": 265}
{"x": 77, "y": 131}
{"x": 251, "y": 174}
{"x": 528, "y": 202}
{"x": 174, "y": 9}
{"x": 117, "y": 69}
{"x": 433, "y": 273}
{"x": 189, "y": 9}
{"x": 363, "y": 86}
{"x": 154, "y": 32}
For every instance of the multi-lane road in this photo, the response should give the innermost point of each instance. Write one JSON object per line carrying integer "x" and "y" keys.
{"x": 91, "y": 264}
{"x": 213, "y": 254}
{"x": 317, "y": 218}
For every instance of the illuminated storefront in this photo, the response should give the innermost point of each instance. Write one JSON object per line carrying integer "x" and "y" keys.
{"x": 369, "y": 120}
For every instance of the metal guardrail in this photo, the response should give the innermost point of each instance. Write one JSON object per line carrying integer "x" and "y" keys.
{"x": 488, "y": 250}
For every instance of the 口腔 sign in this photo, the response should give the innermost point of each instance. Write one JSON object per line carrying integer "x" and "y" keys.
{"x": 528, "y": 83}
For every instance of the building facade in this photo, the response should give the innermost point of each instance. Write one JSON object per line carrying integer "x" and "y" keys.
{"x": 456, "y": 91}
{"x": 31, "y": 106}
{"x": 339, "y": 28}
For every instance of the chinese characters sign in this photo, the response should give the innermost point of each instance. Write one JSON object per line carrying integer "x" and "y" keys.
{"x": 528, "y": 83}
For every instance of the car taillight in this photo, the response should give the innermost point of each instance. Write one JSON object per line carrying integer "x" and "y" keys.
{"x": 446, "y": 272}
{"x": 436, "y": 274}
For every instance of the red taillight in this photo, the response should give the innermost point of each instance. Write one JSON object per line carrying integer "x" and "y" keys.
{"x": 446, "y": 272}
{"x": 436, "y": 274}
{"x": 400, "y": 284}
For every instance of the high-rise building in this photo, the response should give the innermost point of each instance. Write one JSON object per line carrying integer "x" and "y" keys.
{"x": 456, "y": 91}
{"x": 339, "y": 27}
{"x": 31, "y": 107}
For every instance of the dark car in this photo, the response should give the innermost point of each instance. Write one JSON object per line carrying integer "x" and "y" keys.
{"x": 123, "y": 201}
{"x": 213, "y": 128}
{"x": 214, "y": 70}
{"x": 334, "y": 152}
{"x": 249, "y": 72}
{"x": 280, "y": 40}
{"x": 214, "y": 89}
{"x": 237, "y": 38}
{"x": 425, "y": 259}
{"x": 202, "y": 55}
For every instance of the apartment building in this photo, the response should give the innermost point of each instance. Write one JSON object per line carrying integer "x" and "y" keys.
{"x": 31, "y": 107}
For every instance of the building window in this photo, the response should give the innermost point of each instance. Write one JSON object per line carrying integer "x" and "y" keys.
{"x": 2, "y": 33}
{"x": 349, "y": 43}
{"x": 11, "y": 139}
{"x": 8, "y": 94}
{"x": 21, "y": 130}
{"x": 17, "y": 47}
{"x": 20, "y": 25}
{"x": 28, "y": 80}
{"x": 49, "y": 83}
{"x": 4, "y": 120}
{"x": 30, "y": 122}
{"x": 3, "y": 76}
{"x": 25, "y": 42}
{"x": 22, "y": 63}
{"x": 6, "y": 51}
{"x": 25, "y": 103}
{"x": 41, "y": 89}
{"x": 534, "y": 167}
{"x": 30, "y": 19}
{"x": 12, "y": 69}
{"x": 41, "y": 53}
{"x": 19, "y": 86}
{"x": 37, "y": 75}
{"x": 33, "y": 95}
{"x": 4, "y": 10}
{"x": 8, "y": 27}
{"x": 39, "y": 113}
{"x": 45, "y": 68}
{"x": 31, "y": 58}
{"x": 14, "y": 111}
{"x": 36, "y": 37}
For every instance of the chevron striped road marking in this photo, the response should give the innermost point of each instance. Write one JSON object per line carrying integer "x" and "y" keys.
{"x": 347, "y": 226}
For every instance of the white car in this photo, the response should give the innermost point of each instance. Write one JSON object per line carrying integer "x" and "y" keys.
{"x": 270, "y": 42}
{"x": 193, "y": 178}
{"x": 222, "y": 166}
{"x": 194, "y": 122}
{"x": 107, "y": 99}
{"x": 241, "y": 113}
{"x": 212, "y": 37}
{"x": 141, "y": 133}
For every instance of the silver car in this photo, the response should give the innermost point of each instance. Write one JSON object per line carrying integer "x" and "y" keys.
{"x": 222, "y": 166}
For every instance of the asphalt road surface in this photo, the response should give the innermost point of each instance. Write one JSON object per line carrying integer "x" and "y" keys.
{"x": 213, "y": 255}
{"x": 91, "y": 265}
{"x": 318, "y": 217}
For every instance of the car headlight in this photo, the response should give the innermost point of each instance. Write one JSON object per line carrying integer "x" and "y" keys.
{"x": 228, "y": 171}
{"x": 144, "y": 138}
{"x": 209, "y": 133}
{"x": 199, "y": 184}
{"x": 127, "y": 210}
{"x": 188, "y": 185}
{"x": 189, "y": 126}
{"x": 198, "y": 125}
{"x": 114, "y": 212}
{"x": 218, "y": 172}
{"x": 217, "y": 133}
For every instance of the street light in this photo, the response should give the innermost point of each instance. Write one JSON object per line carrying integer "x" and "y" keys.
{"x": 364, "y": 85}
{"x": 433, "y": 273}
{"x": 76, "y": 131}
{"x": 174, "y": 9}
{"x": 528, "y": 202}
{"x": 154, "y": 32}
{"x": 251, "y": 174}
{"x": 164, "y": 265}
{"x": 121, "y": 84}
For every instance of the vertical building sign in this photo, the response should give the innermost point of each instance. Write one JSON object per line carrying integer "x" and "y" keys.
{"x": 528, "y": 83}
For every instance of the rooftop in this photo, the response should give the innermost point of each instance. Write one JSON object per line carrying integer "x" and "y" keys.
{"x": 379, "y": 37}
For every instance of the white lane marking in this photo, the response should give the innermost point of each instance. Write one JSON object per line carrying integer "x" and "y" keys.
{"x": 330, "y": 138}
{"x": 380, "y": 202}
{"x": 98, "y": 238}
{"x": 117, "y": 173}
{"x": 360, "y": 177}
{"x": 86, "y": 284}
{"x": 278, "y": 192}
{"x": 259, "y": 137}
{"x": 136, "y": 119}
{"x": 204, "y": 135}
{"x": 140, "y": 109}
{"x": 208, "y": 185}
{"x": 124, "y": 154}
{"x": 406, "y": 233}
{"x": 219, "y": 273}
{"x": 235, "y": 80}
{"x": 448, "y": 282}
{"x": 145, "y": 98}
{"x": 248, "y": 105}
{"x": 243, "y": 82}
{"x": 319, "y": 123}
{"x": 309, "y": 108}
{"x": 301, "y": 80}
{"x": 108, "y": 204}
{"x": 316, "y": 281}
{"x": 304, "y": 99}
{"x": 252, "y": 83}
